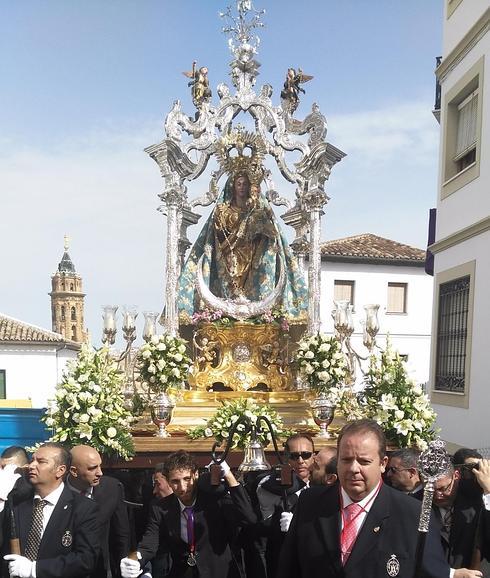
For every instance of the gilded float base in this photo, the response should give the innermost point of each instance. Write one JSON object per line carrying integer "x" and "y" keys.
{"x": 241, "y": 357}
{"x": 196, "y": 407}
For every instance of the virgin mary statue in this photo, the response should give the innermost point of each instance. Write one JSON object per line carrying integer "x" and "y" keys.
{"x": 241, "y": 251}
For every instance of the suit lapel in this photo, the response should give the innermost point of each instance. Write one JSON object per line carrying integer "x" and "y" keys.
{"x": 23, "y": 521}
{"x": 370, "y": 531}
{"x": 329, "y": 525}
{"x": 172, "y": 519}
{"x": 62, "y": 512}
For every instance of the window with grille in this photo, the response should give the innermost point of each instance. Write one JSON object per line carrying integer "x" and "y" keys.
{"x": 397, "y": 298}
{"x": 344, "y": 291}
{"x": 452, "y": 333}
{"x": 3, "y": 388}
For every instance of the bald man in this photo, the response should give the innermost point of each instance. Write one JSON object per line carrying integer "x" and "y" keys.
{"x": 324, "y": 467}
{"x": 86, "y": 477}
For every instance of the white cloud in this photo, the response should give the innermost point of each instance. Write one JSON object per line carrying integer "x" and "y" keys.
{"x": 406, "y": 132}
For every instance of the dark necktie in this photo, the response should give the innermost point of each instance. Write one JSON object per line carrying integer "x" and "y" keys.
{"x": 36, "y": 529}
{"x": 189, "y": 514}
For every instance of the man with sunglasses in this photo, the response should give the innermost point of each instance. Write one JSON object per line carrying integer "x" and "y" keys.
{"x": 277, "y": 503}
{"x": 402, "y": 473}
{"x": 360, "y": 528}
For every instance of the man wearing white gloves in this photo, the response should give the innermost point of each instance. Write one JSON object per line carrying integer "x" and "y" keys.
{"x": 195, "y": 523}
{"x": 13, "y": 462}
{"x": 58, "y": 531}
{"x": 277, "y": 503}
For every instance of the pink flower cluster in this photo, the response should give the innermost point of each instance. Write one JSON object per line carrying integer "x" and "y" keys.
{"x": 206, "y": 315}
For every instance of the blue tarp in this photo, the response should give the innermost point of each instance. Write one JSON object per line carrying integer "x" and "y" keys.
{"x": 21, "y": 427}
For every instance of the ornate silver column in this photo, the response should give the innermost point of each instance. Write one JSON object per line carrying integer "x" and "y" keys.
{"x": 314, "y": 203}
{"x": 297, "y": 219}
{"x": 172, "y": 198}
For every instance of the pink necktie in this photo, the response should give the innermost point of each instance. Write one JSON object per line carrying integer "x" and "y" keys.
{"x": 352, "y": 523}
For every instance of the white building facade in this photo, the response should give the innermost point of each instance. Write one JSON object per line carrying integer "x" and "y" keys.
{"x": 368, "y": 269}
{"x": 460, "y": 360}
{"x": 32, "y": 361}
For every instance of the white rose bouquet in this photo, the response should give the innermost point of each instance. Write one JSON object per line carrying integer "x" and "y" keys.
{"x": 88, "y": 407}
{"x": 163, "y": 363}
{"x": 322, "y": 364}
{"x": 230, "y": 412}
{"x": 399, "y": 405}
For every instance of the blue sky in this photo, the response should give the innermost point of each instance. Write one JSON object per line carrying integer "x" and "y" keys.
{"x": 86, "y": 85}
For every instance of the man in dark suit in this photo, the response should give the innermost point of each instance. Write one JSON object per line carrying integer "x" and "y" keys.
{"x": 58, "y": 530}
{"x": 461, "y": 504}
{"x": 195, "y": 524}
{"x": 86, "y": 478}
{"x": 363, "y": 529}
{"x": 277, "y": 504}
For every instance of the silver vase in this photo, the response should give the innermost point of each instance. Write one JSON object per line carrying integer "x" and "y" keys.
{"x": 323, "y": 412}
{"x": 161, "y": 413}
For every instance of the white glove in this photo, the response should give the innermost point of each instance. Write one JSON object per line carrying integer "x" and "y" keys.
{"x": 19, "y": 566}
{"x": 285, "y": 520}
{"x": 225, "y": 468}
{"x": 130, "y": 568}
{"x": 8, "y": 477}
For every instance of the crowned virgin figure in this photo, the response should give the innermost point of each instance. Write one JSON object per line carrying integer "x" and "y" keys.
{"x": 241, "y": 251}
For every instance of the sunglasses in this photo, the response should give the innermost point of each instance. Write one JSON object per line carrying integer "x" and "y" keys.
{"x": 394, "y": 470}
{"x": 303, "y": 455}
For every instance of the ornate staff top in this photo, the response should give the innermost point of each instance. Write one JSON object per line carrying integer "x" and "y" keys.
{"x": 433, "y": 463}
{"x": 240, "y": 29}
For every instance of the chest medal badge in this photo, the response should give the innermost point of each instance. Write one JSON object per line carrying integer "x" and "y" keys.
{"x": 393, "y": 566}
{"x": 67, "y": 539}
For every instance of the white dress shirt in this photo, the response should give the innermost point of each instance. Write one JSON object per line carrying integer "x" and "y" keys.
{"x": 366, "y": 504}
{"x": 52, "y": 500}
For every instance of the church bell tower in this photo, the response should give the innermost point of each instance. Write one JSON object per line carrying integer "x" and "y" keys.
{"x": 67, "y": 300}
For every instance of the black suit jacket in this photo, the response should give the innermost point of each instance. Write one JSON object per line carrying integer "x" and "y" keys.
{"x": 216, "y": 516}
{"x": 312, "y": 545}
{"x": 470, "y": 525}
{"x": 73, "y": 517}
{"x": 114, "y": 526}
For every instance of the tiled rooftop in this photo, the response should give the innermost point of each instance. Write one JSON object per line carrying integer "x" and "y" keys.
{"x": 15, "y": 331}
{"x": 371, "y": 247}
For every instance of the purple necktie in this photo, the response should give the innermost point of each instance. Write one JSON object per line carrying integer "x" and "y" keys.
{"x": 189, "y": 514}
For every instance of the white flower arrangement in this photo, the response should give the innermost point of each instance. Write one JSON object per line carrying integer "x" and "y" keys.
{"x": 322, "y": 364}
{"x": 163, "y": 363}
{"x": 398, "y": 404}
{"x": 230, "y": 412}
{"x": 88, "y": 407}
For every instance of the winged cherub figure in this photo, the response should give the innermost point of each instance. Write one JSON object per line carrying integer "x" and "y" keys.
{"x": 199, "y": 84}
{"x": 292, "y": 88}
